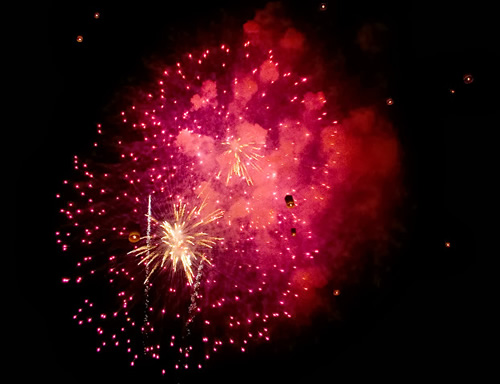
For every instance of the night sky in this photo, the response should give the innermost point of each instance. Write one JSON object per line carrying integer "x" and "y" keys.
{"x": 431, "y": 318}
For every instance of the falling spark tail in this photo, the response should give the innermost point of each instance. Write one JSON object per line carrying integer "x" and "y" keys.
{"x": 146, "y": 280}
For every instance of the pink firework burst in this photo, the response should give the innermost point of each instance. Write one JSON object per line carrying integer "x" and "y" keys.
{"x": 204, "y": 210}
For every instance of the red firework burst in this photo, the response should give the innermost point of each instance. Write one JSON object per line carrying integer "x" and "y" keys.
{"x": 232, "y": 129}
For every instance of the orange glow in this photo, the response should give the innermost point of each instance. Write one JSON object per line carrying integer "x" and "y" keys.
{"x": 134, "y": 237}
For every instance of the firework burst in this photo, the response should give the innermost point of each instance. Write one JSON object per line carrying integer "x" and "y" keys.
{"x": 240, "y": 157}
{"x": 180, "y": 241}
{"x": 235, "y": 128}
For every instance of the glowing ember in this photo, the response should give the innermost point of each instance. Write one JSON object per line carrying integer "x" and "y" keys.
{"x": 468, "y": 79}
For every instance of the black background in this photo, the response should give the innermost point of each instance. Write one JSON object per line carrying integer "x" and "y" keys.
{"x": 432, "y": 320}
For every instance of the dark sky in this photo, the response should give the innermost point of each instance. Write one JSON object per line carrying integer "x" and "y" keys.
{"x": 433, "y": 318}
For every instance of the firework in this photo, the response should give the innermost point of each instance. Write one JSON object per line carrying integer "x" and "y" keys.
{"x": 180, "y": 241}
{"x": 231, "y": 164}
{"x": 240, "y": 157}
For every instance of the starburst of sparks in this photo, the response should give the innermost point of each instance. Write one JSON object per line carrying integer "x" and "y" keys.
{"x": 179, "y": 242}
{"x": 241, "y": 155}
